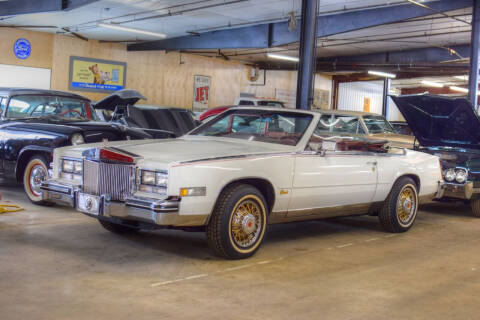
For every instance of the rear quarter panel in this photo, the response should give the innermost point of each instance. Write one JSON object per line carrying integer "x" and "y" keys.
{"x": 392, "y": 166}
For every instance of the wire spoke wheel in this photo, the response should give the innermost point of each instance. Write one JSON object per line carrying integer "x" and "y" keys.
{"x": 246, "y": 223}
{"x": 38, "y": 174}
{"x": 406, "y": 205}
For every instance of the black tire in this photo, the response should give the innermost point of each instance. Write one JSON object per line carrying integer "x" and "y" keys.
{"x": 475, "y": 205}
{"x": 220, "y": 232}
{"x": 390, "y": 218}
{"x": 118, "y": 228}
{"x": 35, "y": 163}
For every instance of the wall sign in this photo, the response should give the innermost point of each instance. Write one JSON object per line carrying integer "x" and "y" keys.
{"x": 366, "y": 104}
{"x": 201, "y": 92}
{"x": 96, "y": 75}
{"x": 22, "y": 48}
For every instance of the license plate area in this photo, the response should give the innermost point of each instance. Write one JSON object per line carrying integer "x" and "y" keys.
{"x": 88, "y": 203}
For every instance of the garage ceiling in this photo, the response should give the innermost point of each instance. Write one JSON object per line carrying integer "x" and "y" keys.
{"x": 175, "y": 18}
{"x": 187, "y": 17}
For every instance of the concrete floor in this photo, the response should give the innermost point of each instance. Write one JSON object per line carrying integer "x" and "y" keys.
{"x": 58, "y": 264}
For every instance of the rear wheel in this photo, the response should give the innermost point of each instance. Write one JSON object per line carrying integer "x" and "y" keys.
{"x": 35, "y": 173}
{"x": 117, "y": 228}
{"x": 399, "y": 211}
{"x": 238, "y": 222}
{"x": 475, "y": 205}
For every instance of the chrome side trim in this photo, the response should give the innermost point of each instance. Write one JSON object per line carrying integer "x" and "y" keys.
{"x": 319, "y": 213}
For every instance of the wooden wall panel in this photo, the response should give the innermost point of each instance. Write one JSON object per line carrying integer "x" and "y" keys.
{"x": 164, "y": 78}
{"x": 41, "y": 55}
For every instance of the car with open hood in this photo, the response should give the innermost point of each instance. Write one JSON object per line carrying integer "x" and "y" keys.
{"x": 35, "y": 122}
{"x": 450, "y": 129}
{"x": 243, "y": 170}
{"x": 120, "y": 107}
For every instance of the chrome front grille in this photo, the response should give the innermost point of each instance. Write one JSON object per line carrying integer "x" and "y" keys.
{"x": 114, "y": 180}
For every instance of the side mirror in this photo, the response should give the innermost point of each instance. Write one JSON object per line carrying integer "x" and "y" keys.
{"x": 323, "y": 147}
{"x": 315, "y": 147}
{"x": 330, "y": 146}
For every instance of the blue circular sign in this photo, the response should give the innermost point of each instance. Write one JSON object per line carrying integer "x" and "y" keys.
{"x": 22, "y": 48}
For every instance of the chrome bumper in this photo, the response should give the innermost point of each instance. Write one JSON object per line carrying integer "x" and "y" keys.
{"x": 457, "y": 191}
{"x": 160, "y": 212}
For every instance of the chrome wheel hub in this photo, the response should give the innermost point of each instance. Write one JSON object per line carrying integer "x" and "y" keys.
{"x": 407, "y": 204}
{"x": 248, "y": 224}
{"x": 37, "y": 176}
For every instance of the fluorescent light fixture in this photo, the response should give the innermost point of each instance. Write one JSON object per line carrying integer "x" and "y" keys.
{"x": 432, "y": 84}
{"x": 282, "y": 57}
{"x": 459, "y": 89}
{"x": 127, "y": 29}
{"x": 382, "y": 74}
{"x": 464, "y": 78}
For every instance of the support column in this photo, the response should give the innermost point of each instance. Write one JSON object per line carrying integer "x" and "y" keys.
{"x": 474, "y": 66}
{"x": 386, "y": 90}
{"x": 306, "y": 67}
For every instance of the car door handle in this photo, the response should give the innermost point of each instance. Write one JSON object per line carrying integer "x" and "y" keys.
{"x": 373, "y": 163}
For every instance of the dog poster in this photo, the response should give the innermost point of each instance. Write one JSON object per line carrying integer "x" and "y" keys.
{"x": 96, "y": 75}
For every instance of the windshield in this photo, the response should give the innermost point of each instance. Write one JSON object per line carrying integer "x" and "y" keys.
{"x": 378, "y": 124}
{"x": 339, "y": 124}
{"x": 276, "y": 104}
{"x": 285, "y": 128}
{"x": 44, "y": 106}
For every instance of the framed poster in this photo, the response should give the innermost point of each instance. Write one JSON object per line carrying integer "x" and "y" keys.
{"x": 96, "y": 75}
{"x": 201, "y": 92}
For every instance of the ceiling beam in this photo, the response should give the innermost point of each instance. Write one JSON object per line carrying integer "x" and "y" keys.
{"x": 17, "y": 7}
{"x": 277, "y": 34}
{"x": 431, "y": 54}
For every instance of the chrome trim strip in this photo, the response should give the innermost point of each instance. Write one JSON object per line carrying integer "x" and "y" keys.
{"x": 237, "y": 157}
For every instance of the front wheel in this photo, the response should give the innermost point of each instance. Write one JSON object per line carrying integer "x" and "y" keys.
{"x": 35, "y": 173}
{"x": 475, "y": 205}
{"x": 399, "y": 211}
{"x": 238, "y": 222}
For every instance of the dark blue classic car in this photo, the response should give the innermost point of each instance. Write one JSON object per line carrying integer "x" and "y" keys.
{"x": 450, "y": 129}
{"x": 34, "y": 122}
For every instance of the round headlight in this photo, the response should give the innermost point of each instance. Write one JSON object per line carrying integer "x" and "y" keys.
{"x": 77, "y": 139}
{"x": 461, "y": 176}
{"x": 450, "y": 175}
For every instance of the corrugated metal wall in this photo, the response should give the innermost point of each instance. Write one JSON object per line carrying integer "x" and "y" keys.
{"x": 351, "y": 96}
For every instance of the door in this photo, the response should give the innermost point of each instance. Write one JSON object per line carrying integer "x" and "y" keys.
{"x": 334, "y": 180}
{"x": 337, "y": 178}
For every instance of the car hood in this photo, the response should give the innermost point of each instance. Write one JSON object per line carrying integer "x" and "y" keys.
{"x": 92, "y": 131}
{"x": 121, "y": 97}
{"x": 441, "y": 121}
{"x": 160, "y": 153}
{"x": 397, "y": 140}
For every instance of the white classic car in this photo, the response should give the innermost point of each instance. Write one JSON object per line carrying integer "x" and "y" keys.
{"x": 236, "y": 174}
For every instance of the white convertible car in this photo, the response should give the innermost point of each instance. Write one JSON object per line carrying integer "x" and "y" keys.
{"x": 236, "y": 174}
